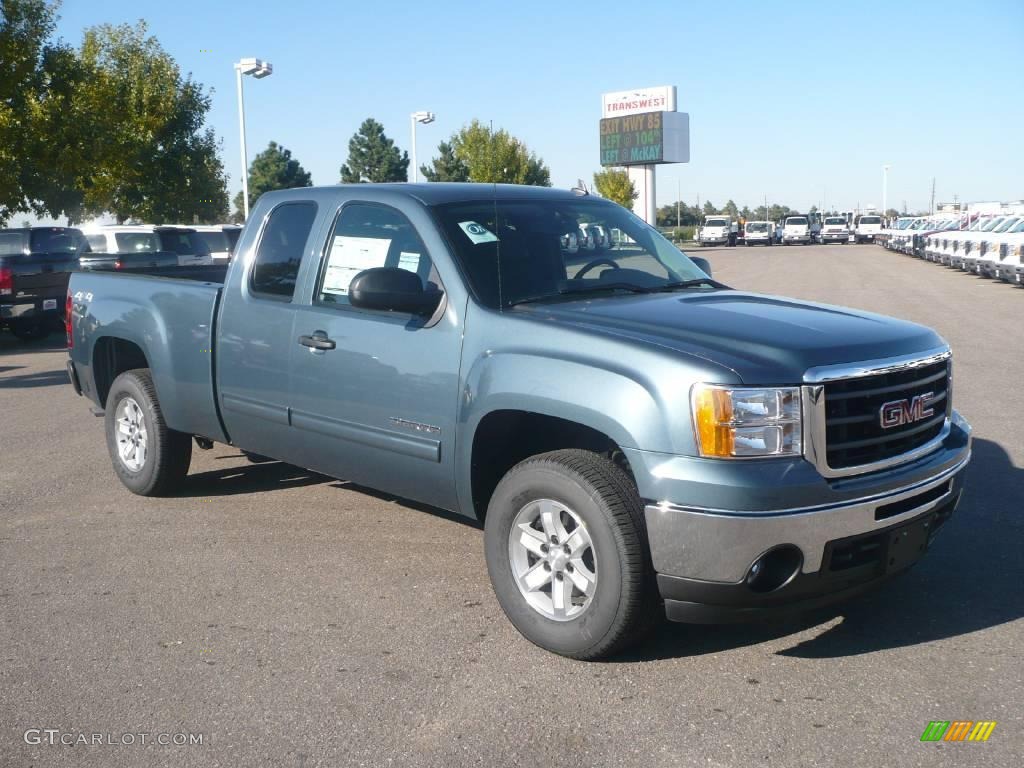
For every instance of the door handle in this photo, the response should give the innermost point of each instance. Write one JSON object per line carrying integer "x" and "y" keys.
{"x": 317, "y": 340}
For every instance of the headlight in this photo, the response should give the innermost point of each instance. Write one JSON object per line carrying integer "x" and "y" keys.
{"x": 733, "y": 422}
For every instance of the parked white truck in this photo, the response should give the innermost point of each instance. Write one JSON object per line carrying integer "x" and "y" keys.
{"x": 715, "y": 231}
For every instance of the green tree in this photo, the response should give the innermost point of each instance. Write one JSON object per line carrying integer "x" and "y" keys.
{"x": 447, "y": 166}
{"x": 373, "y": 157}
{"x": 25, "y": 63}
{"x": 731, "y": 210}
{"x": 498, "y": 157}
{"x": 709, "y": 209}
{"x": 273, "y": 168}
{"x": 132, "y": 132}
{"x": 614, "y": 184}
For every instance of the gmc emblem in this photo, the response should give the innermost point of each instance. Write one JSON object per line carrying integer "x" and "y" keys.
{"x": 896, "y": 413}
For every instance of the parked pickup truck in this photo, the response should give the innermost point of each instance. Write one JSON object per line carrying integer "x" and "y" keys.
{"x": 637, "y": 438}
{"x": 35, "y": 263}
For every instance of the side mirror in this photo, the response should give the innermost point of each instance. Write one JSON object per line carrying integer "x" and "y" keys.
{"x": 392, "y": 290}
{"x": 703, "y": 264}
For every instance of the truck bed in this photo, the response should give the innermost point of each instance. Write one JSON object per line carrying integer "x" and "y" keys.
{"x": 171, "y": 318}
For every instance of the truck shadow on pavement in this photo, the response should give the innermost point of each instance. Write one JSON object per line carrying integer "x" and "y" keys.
{"x": 32, "y": 380}
{"x": 969, "y": 581}
{"x": 248, "y": 478}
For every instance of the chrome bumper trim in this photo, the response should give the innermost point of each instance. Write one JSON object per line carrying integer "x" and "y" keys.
{"x": 717, "y": 545}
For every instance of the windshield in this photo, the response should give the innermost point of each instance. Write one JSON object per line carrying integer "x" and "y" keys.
{"x": 716, "y": 223}
{"x": 136, "y": 242}
{"x": 757, "y": 226}
{"x": 1006, "y": 225}
{"x": 216, "y": 242}
{"x": 835, "y": 220}
{"x": 513, "y": 250}
{"x": 870, "y": 220}
{"x": 991, "y": 224}
{"x": 183, "y": 242}
{"x": 1018, "y": 228}
{"x": 56, "y": 240}
{"x": 796, "y": 221}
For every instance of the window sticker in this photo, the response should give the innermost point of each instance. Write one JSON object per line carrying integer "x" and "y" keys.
{"x": 350, "y": 256}
{"x": 409, "y": 261}
{"x": 477, "y": 232}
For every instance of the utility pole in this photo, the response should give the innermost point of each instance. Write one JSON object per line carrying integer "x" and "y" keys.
{"x": 933, "y": 195}
{"x": 679, "y": 197}
{"x": 885, "y": 188}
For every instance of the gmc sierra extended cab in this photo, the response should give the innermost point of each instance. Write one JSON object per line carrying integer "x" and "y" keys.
{"x": 637, "y": 438}
{"x": 35, "y": 264}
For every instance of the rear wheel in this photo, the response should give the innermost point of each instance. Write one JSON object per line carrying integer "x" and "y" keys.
{"x": 149, "y": 458}
{"x": 567, "y": 554}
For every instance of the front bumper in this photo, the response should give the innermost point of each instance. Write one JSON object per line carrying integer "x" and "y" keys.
{"x": 835, "y": 238}
{"x": 703, "y": 555}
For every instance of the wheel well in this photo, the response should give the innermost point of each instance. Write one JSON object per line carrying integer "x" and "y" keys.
{"x": 504, "y": 438}
{"x": 110, "y": 358}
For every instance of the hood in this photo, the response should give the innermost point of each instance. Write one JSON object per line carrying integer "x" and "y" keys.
{"x": 763, "y": 339}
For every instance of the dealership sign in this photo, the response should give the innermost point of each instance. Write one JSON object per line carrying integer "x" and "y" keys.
{"x": 661, "y": 98}
{"x": 645, "y": 139}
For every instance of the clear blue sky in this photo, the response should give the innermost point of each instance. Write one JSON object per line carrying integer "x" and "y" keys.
{"x": 800, "y": 101}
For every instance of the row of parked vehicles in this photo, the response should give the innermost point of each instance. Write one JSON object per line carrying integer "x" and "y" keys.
{"x": 36, "y": 263}
{"x": 990, "y": 246}
{"x": 798, "y": 229}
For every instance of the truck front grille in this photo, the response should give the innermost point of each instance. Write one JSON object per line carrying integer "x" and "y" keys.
{"x": 854, "y": 431}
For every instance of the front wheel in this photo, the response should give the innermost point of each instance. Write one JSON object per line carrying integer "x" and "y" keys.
{"x": 567, "y": 554}
{"x": 149, "y": 458}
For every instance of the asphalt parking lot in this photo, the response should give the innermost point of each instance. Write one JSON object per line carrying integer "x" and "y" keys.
{"x": 294, "y": 621}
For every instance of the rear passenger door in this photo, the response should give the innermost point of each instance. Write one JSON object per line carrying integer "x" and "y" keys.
{"x": 255, "y": 337}
{"x": 379, "y": 406}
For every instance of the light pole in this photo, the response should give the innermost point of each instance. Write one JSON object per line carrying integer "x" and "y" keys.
{"x": 259, "y": 70}
{"x": 418, "y": 117}
{"x": 885, "y": 188}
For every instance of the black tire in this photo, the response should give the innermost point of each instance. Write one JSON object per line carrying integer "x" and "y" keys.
{"x": 29, "y": 331}
{"x": 168, "y": 452}
{"x": 625, "y": 601}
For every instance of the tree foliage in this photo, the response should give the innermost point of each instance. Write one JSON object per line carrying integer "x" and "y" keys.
{"x": 498, "y": 157}
{"x": 273, "y": 168}
{"x": 373, "y": 157}
{"x": 26, "y": 59}
{"x": 614, "y": 184}
{"x": 145, "y": 154}
{"x": 110, "y": 128}
{"x": 447, "y": 166}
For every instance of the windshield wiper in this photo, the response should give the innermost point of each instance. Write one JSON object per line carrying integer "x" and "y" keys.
{"x": 630, "y": 287}
{"x": 580, "y": 289}
{"x": 687, "y": 284}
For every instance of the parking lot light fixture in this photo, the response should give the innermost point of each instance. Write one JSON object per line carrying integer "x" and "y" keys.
{"x": 258, "y": 69}
{"x": 418, "y": 117}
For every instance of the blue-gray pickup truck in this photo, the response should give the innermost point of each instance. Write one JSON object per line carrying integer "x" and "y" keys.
{"x": 637, "y": 439}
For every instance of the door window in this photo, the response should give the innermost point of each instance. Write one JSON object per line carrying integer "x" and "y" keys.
{"x": 367, "y": 236}
{"x": 276, "y": 265}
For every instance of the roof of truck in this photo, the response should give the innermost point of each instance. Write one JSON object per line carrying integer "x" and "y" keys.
{"x": 438, "y": 193}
